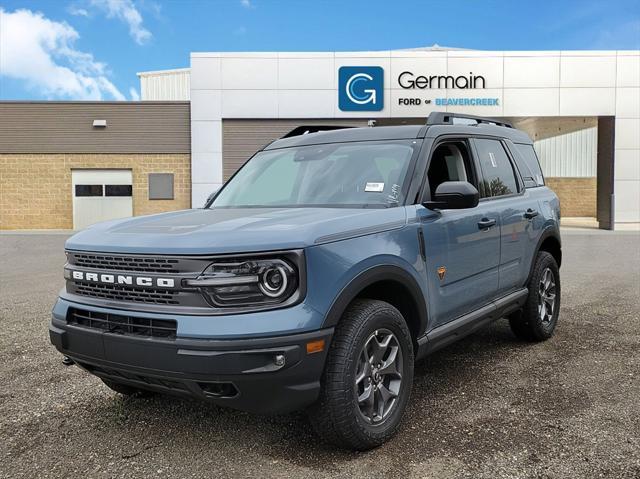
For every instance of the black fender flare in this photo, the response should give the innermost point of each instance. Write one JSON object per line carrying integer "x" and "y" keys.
{"x": 550, "y": 231}
{"x": 373, "y": 275}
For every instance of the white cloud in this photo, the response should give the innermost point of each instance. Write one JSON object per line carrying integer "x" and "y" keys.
{"x": 77, "y": 11}
{"x": 41, "y": 52}
{"x": 135, "y": 96}
{"x": 125, "y": 11}
{"x": 246, "y": 3}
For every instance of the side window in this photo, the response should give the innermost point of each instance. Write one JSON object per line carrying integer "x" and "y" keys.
{"x": 450, "y": 161}
{"x": 497, "y": 170}
{"x": 529, "y": 165}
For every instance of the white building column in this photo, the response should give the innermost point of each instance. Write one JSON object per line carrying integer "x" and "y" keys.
{"x": 206, "y": 127}
{"x": 627, "y": 141}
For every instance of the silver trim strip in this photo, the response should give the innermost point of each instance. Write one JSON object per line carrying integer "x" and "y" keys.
{"x": 225, "y": 281}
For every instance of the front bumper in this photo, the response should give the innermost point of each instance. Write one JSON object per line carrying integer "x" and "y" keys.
{"x": 238, "y": 373}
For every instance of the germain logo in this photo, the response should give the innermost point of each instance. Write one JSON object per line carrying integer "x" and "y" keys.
{"x": 122, "y": 279}
{"x": 360, "y": 88}
{"x": 408, "y": 80}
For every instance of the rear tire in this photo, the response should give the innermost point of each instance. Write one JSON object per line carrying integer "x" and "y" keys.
{"x": 126, "y": 390}
{"x": 367, "y": 379}
{"x": 539, "y": 316}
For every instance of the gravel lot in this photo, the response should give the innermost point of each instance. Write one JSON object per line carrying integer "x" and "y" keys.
{"x": 489, "y": 406}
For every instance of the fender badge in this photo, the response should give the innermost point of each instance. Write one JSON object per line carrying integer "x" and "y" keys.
{"x": 441, "y": 272}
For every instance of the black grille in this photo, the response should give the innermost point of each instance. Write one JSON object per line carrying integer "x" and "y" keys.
{"x": 121, "y": 293}
{"x": 121, "y": 324}
{"x": 126, "y": 263}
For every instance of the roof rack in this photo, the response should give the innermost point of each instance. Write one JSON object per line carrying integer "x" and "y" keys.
{"x": 443, "y": 118}
{"x": 306, "y": 129}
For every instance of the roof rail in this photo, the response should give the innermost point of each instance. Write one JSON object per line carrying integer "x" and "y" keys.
{"x": 306, "y": 129}
{"x": 444, "y": 118}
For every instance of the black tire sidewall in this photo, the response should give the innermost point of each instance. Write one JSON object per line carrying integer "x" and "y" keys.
{"x": 536, "y": 327}
{"x": 337, "y": 416}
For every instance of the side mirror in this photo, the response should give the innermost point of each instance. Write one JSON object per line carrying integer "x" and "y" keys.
{"x": 454, "y": 195}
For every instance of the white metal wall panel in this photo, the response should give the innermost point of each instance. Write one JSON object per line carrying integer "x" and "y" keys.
{"x": 170, "y": 85}
{"x": 570, "y": 155}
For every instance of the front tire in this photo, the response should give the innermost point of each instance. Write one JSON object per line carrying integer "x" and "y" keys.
{"x": 538, "y": 318}
{"x": 367, "y": 379}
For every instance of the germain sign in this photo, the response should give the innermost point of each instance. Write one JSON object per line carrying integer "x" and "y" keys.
{"x": 361, "y": 88}
{"x": 408, "y": 80}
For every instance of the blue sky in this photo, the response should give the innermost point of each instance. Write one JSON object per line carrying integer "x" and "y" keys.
{"x": 92, "y": 49}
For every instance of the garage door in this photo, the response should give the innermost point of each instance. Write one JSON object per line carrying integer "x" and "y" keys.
{"x": 100, "y": 195}
{"x": 242, "y": 138}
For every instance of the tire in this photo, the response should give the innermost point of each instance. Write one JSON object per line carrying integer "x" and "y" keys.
{"x": 338, "y": 417}
{"x": 533, "y": 323}
{"x": 126, "y": 390}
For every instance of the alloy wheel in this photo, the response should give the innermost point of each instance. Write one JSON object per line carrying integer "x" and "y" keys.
{"x": 379, "y": 376}
{"x": 546, "y": 296}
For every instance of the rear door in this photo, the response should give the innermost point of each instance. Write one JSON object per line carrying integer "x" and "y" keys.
{"x": 462, "y": 246}
{"x": 503, "y": 188}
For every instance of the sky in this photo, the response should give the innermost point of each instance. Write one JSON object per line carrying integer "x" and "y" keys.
{"x": 92, "y": 49}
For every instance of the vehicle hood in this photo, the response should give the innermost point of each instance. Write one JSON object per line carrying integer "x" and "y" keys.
{"x": 234, "y": 230}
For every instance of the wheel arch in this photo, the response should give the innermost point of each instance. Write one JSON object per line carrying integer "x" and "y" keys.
{"x": 550, "y": 242}
{"x": 388, "y": 283}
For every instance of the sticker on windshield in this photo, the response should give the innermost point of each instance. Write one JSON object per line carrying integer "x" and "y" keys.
{"x": 374, "y": 187}
{"x": 492, "y": 157}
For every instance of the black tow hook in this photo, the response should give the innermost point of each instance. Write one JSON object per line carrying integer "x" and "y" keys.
{"x": 67, "y": 361}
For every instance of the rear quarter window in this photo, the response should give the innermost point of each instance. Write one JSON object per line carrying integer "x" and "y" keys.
{"x": 529, "y": 166}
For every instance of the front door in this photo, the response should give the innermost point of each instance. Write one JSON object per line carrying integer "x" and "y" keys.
{"x": 463, "y": 255}
{"x": 462, "y": 246}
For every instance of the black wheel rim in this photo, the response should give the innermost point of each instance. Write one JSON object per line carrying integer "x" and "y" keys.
{"x": 379, "y": 376}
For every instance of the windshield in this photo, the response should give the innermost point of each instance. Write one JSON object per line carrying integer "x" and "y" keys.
{"x": 363, "y": 174}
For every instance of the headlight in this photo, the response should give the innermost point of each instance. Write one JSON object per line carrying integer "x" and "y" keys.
{"x": 249, "y": 282}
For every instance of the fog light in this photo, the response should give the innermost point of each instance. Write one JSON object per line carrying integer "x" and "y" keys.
{"x": 279, "y": 360}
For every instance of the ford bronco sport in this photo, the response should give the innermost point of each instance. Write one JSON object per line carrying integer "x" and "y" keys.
{"x": 320, "y": 272}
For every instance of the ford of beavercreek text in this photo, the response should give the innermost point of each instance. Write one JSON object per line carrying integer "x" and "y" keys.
{"x": 317, "y": 276}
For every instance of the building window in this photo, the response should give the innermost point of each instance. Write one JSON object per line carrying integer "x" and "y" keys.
{"x": 117, "y": 190}
{"x": 160, "y": 186}
{"x": 88, "y": 190}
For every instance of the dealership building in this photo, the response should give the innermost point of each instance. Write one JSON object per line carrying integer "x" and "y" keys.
{"x": 65, "y": 165}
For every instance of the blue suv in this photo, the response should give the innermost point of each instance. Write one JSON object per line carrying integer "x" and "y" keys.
{"x": 320, "y": 272}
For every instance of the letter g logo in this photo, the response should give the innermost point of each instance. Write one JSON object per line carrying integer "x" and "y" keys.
{"x": 360, "y": 88}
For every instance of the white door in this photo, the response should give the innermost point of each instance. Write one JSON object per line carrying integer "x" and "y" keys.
{"x": 100, "y": 195}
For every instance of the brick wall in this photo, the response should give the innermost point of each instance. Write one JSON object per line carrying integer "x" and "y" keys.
{"x": 35, "y": 190}
{"x": 577, "y": 195}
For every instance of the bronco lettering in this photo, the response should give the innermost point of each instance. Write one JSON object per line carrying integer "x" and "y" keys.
{"x": 123, "y": 279}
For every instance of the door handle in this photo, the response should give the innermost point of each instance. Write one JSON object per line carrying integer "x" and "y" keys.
{"x": 486, "y": 223}
{"x": 531, "y": 213}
